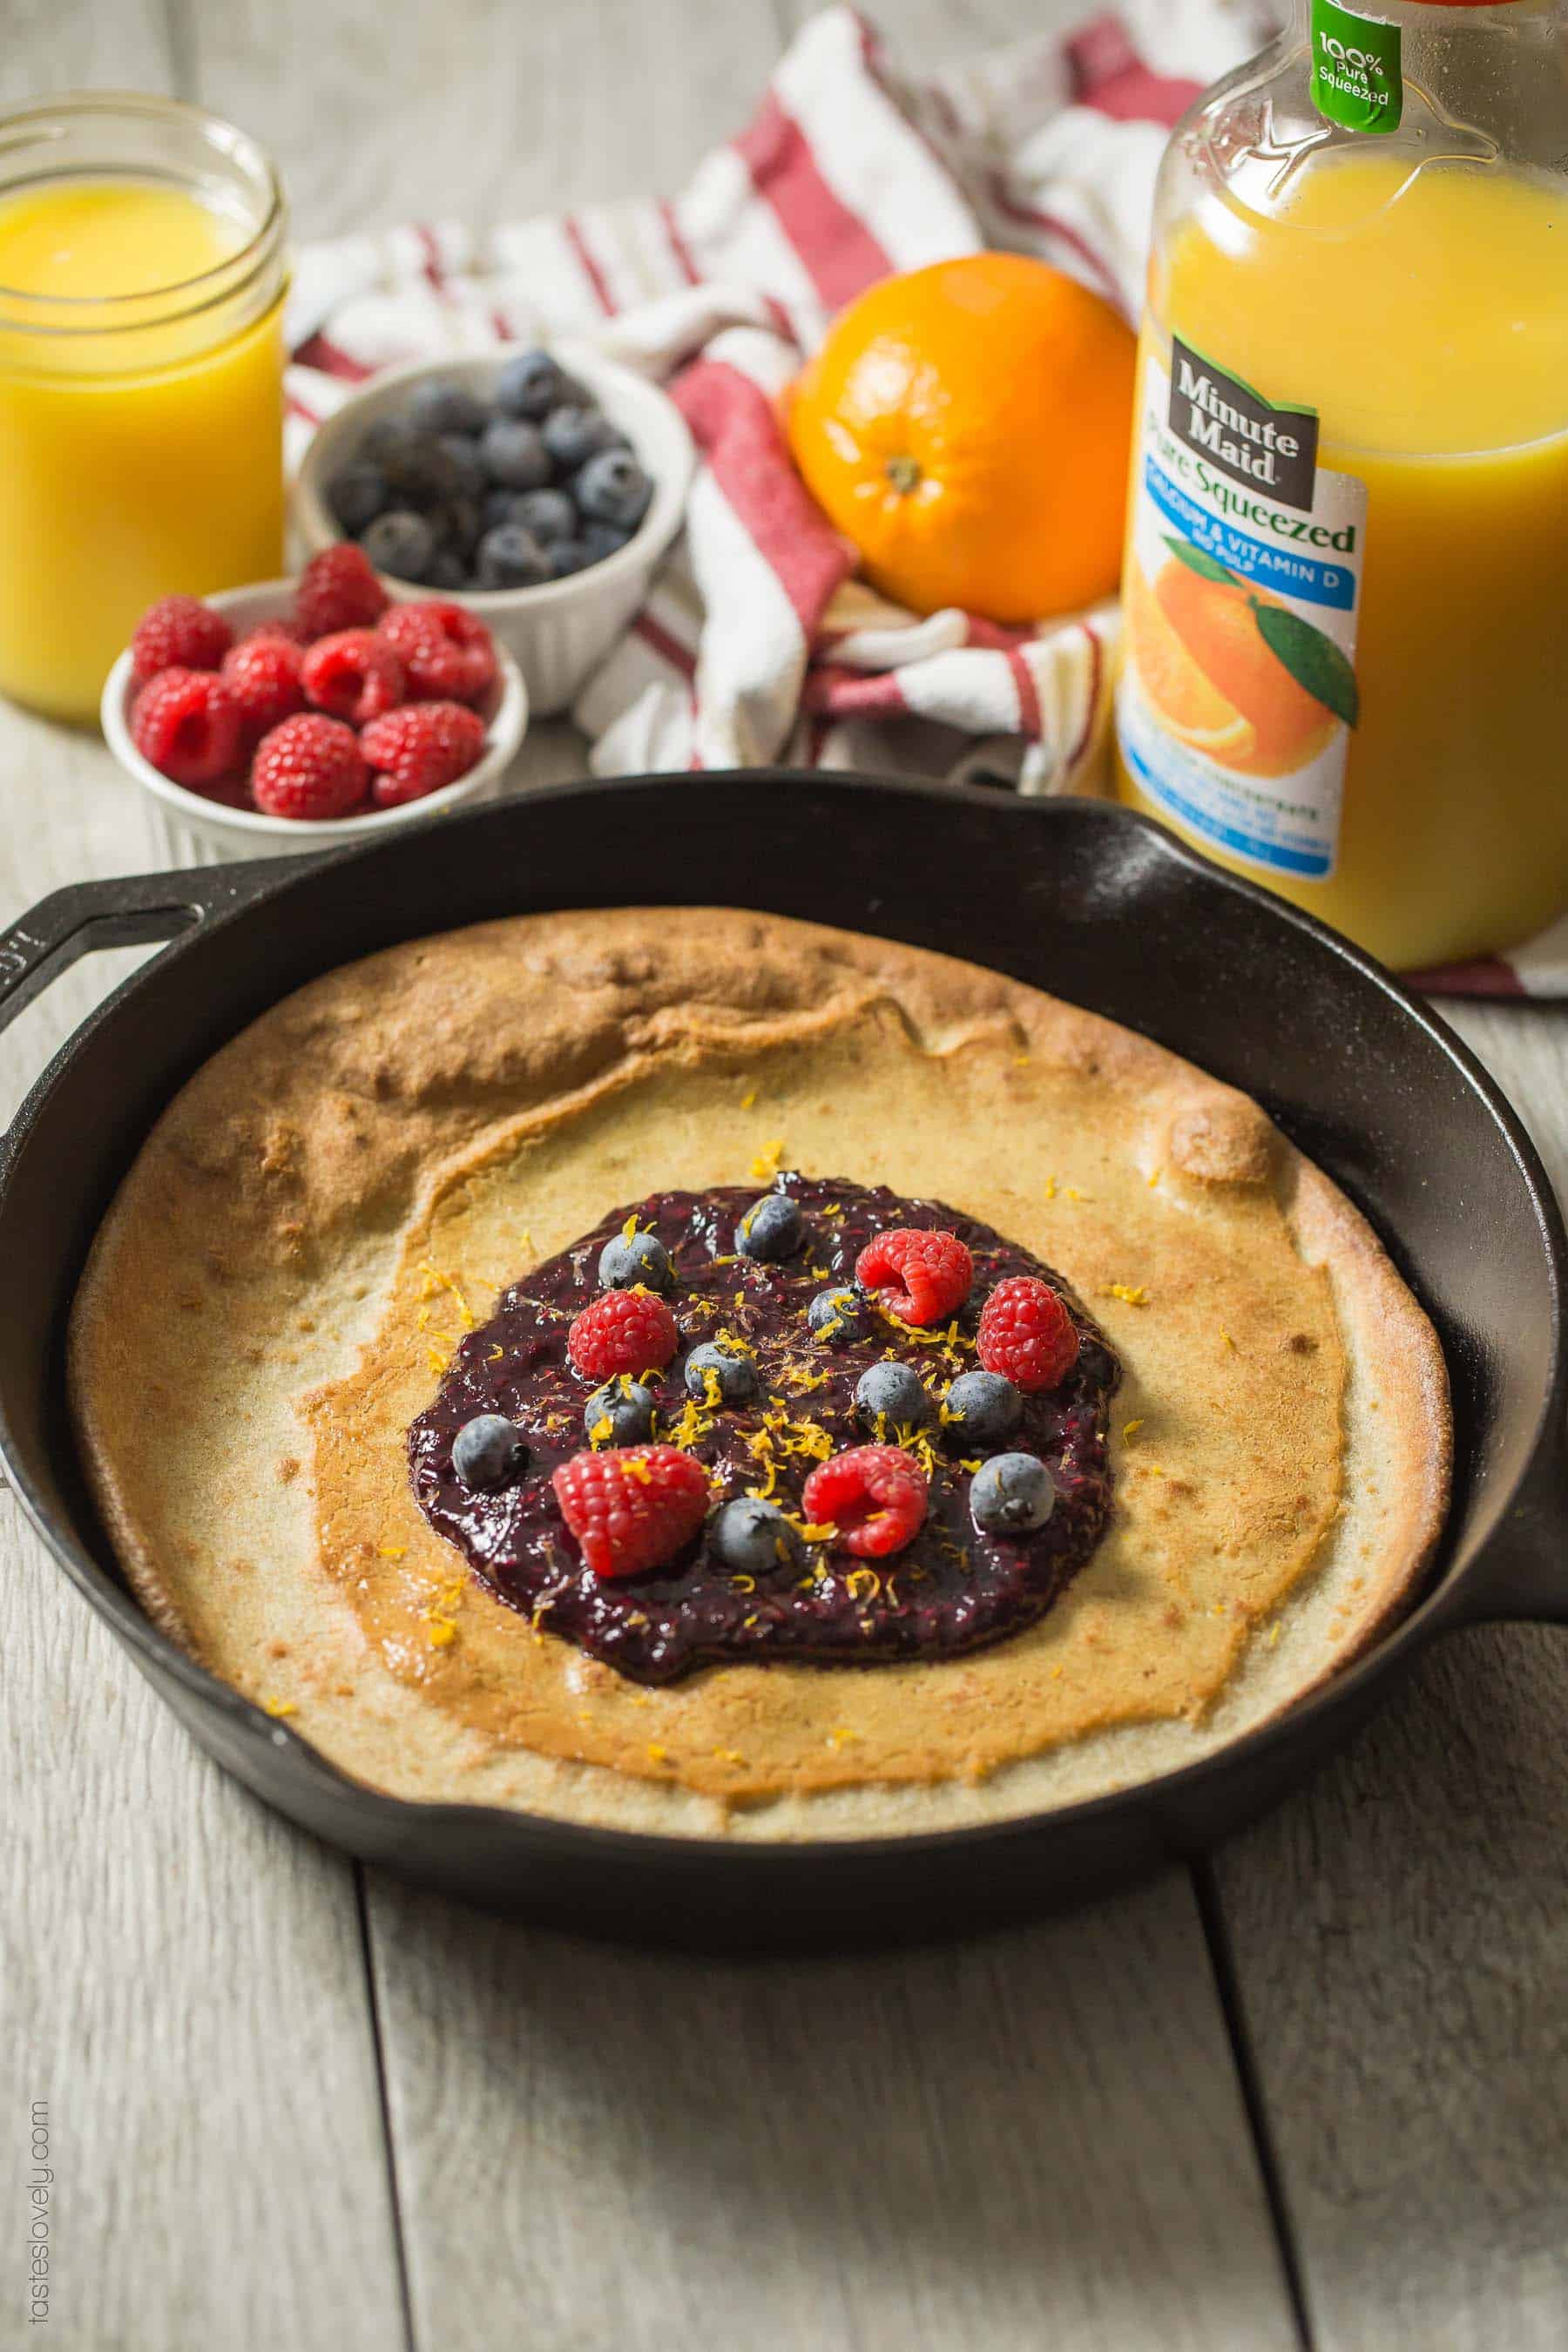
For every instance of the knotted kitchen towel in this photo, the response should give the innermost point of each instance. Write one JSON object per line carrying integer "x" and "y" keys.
{"x": 757, "y": 644}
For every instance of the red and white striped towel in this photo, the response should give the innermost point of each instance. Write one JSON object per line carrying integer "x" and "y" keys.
{"x": 757, "y": 644}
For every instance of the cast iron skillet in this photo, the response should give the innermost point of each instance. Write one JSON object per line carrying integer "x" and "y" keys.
{"x": 1090, "y": 902}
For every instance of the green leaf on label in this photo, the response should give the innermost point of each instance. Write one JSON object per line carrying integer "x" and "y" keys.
{"x": 1313, "y": 660}
{"x": 1198, "y": 560}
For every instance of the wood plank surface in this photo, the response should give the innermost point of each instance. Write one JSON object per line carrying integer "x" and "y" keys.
{"x": 1400, "y": 1935}
{"x": 1033, "y": 2139}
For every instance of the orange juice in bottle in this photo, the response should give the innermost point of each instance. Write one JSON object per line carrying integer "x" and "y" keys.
{"x": 1346, "y": 585}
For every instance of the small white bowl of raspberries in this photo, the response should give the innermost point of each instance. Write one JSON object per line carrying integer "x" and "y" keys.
{"x": 306, "y": 713}
{"x": 541, "y": 490}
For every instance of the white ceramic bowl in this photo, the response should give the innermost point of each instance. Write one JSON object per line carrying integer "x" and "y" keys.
{"x": 197, "y": 826}
{"x": 558, "y": 633}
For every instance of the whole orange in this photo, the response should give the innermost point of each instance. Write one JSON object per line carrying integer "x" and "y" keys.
{"x": 968, "y": 427}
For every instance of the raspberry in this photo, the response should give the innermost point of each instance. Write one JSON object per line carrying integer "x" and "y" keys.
{"x": 280, "y": 627}
{"x": 309, "y": 767}
{"x": 622, "y": 1332}
{"x": 262, "y": 673}
{"x": 1026, "y": 1334}
{"x": 354, "y": 675}
{"x": 337, "y": 589}
{"x": 875, "y": 1495}
{"x": 186, "y": 722}
{"x": 634, "y": 1508}
{"x": 178, "y": 633}
{"x": 920, "y": 1276}
{"x": 420, "y": 748}
{"x": 449, "y": 655}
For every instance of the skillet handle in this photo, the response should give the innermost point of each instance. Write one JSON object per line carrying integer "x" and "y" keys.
{"x": 1525, "y": 1574}
{"x": 121, "y": 912}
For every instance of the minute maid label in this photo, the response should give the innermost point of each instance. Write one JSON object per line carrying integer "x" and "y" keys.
{"x": 1239, "y": 694}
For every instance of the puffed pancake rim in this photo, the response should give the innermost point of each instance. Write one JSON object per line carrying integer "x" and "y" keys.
{"x": 313, "y": 1219}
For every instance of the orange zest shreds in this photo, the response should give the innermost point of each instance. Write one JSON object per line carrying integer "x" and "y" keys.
{"x": 833, "y": 1209}
{"x": 436, "y": 1281}
{"x": 657, "y": 1753}
{"x": 603, "y": 1429}
{"x": 863, "y": 1583}
{"x": 765, "y": 1491}
{"x": 749, "y": 1099}
{"x": 1150, "y": 1470}
{"x": 1050, "y": 1188}
{"x": 728, "y": 1756}
{"x": 440, "y": 1631}
{"x": 637, "y": 1470}
{"x": 439, "y": 1358}
{"x": 769, "y": 1161}
{"x": 747, "y": 1622}
{"x": 637, "y": 1617}
{"x": 277, "y": 1706}
{"x": 1130, "y": 1294}
{"x": 1056, "y": 1673}
{"x": 392, "y": 1552}
{"x": 629, "y": 1230}
{"x": 1074, "y": 1194}
{"x": 972, "y": 1464}
{"x": 837, "y": 1738}
{"x": 525, "y": 1242}
{"x": 1273, "y": 1635}
{"x": 494, "y": 1355}
{"x": 1130, "y": 1431}
{"x": 1224, "y": 1335}
{"x": 891, "y": 1593}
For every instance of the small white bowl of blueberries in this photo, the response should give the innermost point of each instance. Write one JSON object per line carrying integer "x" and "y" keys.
{"x": 541, "y": 488}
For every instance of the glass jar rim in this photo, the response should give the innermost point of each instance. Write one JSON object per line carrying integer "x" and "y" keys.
{"x": 95, "y": 314}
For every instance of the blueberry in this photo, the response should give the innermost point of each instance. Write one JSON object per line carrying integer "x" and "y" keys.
{"x": 514, "y": 455}
{"x": 626, "y": 1405}
{"x": 754, "y": 1538}
{"x": 889, "y": 1397}
{"x": 357, "y": 496}
{"x": 530, "y": 385}
{"x": 574, "y": 435}
{"x": 501, "y": 507}
{"x": 447, "y": 571}
{"x": 735, "y": 1371}
{"x": 771, "y": 1227}
{"x": 567, "y": 556}
{"x": 1012, "y": 1495}
{"x": 613, "y": 487}
{"x": 837, "y": 1316}
{"x": 633, "y": 1258}
{"x": 548, "y": 514}
{"x": 510, "y": 558}
{"x": 419, "y": 471}
{"x": 602, "y": 539}
{"x": 488, "y": 1452}
{"x": 985, "y": 1407}
{"x": 457, "y": 526}
{"x": 441, "y": 404}
{"x": 472, "y": 479}
{"x": 399, "y": 543}
{"x": 388, "y": 438}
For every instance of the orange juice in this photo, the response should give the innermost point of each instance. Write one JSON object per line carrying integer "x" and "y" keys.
{"x": 140, "y": 414}
{"x": 1347, "y": 578}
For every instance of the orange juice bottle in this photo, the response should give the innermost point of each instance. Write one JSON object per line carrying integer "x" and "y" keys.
{"x": 1346, "y": 585}
{"x": 141, "y": 280}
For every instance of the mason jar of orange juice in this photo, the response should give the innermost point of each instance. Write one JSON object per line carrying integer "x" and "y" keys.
{"x": 1346, "y": 583}
{"x": 141, "y": 279}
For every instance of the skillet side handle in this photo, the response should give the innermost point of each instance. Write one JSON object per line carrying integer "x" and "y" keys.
{"x": 1525, "y": 1574}
{"x": 124, "y": 911}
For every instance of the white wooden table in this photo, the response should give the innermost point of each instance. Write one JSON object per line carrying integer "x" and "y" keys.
{"x": 1315, "y": 2092}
